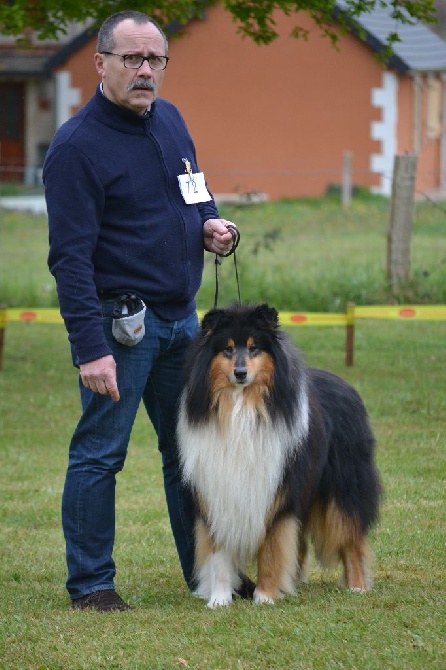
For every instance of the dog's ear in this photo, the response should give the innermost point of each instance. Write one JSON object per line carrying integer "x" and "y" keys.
{"x": 268, "y": 315}
{"x": 210, "y": 320}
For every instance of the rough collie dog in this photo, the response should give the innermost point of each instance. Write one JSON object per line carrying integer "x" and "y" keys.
{"x": 276, "y": 454}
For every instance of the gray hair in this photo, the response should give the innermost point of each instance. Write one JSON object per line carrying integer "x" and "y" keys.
{"x": 106, "y": 38}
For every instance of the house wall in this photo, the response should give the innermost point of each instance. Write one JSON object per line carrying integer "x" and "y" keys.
{"x": 277, "y": 119}
{"x": 39, "y": 123}
{"x": 420, "y": 129}
{"x": 83, "y": 75}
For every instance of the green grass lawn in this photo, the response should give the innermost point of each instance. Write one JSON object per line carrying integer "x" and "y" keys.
{"x": 298, "y": 255}
{"x": 306, "y": 255}
{"x": 400, "y": 371}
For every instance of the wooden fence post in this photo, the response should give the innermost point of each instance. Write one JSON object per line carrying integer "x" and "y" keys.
{"x": 2, "y": 332}
{"x": 401, "y": 215}
{"x": 350, "y": 334}
{"x": 346, "y": 179}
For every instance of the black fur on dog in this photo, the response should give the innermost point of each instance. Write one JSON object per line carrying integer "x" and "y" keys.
{"x": 276, "y": 454}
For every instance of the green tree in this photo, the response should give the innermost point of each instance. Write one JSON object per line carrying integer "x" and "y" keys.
{"x": 254, "y": 18}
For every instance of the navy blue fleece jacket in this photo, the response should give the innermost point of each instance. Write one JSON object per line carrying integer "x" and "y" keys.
{"x": 117, "y": 219}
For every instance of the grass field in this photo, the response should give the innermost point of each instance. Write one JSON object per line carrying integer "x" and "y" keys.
{"x": 299, "y": 255}
{"x": 400, "y": 369}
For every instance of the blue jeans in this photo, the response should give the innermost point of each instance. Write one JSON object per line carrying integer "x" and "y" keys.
{"x": 149, "y": 371}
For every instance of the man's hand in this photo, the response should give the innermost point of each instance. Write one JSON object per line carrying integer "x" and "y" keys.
{"x": 217, "y": 237}
{"x": 100, "y": 376}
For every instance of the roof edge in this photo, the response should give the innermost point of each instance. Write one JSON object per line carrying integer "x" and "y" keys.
{"x": 375, "y": 44}
{"x": 69, "y": 49}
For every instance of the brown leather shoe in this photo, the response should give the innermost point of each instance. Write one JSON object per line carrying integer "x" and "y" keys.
{"x": 102, "y": 601}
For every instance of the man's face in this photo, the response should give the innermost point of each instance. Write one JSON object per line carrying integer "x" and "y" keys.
{"x": 132, "y": 89}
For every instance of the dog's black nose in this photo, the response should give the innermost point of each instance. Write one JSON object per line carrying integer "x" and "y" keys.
{"x": 240, "y": 374}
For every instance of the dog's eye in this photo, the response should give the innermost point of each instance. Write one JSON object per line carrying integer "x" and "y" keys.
{"x": 228, "y": 351}
{"x": 253, "y": 350}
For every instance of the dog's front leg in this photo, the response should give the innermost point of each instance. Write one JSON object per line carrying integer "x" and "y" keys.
{"x": 222, "y": 578}
{"x": 215, "y": 572}
{"x": 277, "y": 561}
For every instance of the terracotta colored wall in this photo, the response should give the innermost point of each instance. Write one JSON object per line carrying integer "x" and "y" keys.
{"x": 275, "y": 119}
{"x": 429, "y": 161}
{"x": 405, "y": 122}
{"x": 83, "y": 71}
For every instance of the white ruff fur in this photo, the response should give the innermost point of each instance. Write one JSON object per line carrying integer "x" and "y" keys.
{"x": 237, "y": 469}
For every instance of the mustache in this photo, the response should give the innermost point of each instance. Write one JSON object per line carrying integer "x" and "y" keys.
{"x": 140, "y": 82}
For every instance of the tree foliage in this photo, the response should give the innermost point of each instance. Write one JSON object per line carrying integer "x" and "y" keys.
{"x": 254, "y": 18}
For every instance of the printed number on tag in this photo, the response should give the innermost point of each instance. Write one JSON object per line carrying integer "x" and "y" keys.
{"x": 193, "y": 188}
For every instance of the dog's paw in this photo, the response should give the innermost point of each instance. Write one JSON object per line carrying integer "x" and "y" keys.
{"x": 219, "y": 600}
{"x": 261, "y": 598}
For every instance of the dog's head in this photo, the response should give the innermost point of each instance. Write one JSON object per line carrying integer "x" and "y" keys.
{"x": 242, "y": 348}
{"x": 241, "y": 338}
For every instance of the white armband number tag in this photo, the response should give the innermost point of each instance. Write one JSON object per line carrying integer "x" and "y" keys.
{"x": 193, "y": 188}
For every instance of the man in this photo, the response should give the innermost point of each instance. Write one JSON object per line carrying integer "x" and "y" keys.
{"x": 129, "y": 214}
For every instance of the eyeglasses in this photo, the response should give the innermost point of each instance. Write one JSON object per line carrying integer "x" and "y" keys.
{"x": 135, "y": 61}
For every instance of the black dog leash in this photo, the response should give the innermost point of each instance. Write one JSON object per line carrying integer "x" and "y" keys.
{"x": 235, "y": 242}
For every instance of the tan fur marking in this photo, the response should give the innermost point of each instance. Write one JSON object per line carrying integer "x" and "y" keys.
{"x": 275, "y": 508}
{"x": 277, "y": 559}
{"x": 225, "y": 407}
{"x": 261, "y": 368}
{"x": 203, "y": 544}
{"x": 303, "y": 558}
{"x": 339, "y": 537}
{"x": 260, "y": 371}
{"x": 219, "y": 375}
{"x": 354, "y": 560}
